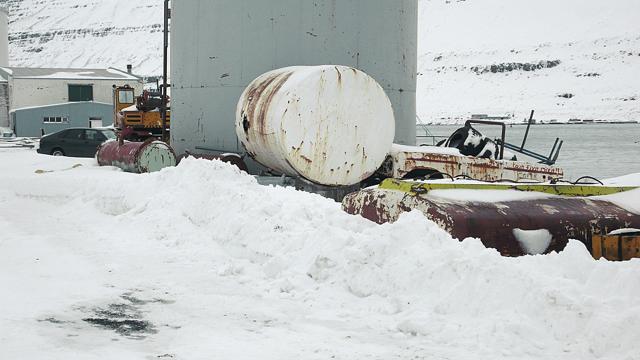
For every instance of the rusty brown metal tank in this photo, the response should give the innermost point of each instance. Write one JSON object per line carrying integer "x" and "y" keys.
{"x": 512, "y": 227}
{"x": 136, "y": 157}
{"x": 332, "y": 125}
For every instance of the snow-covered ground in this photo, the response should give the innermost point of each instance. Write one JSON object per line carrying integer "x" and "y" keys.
{"x": 201, "y": 262}
{"x": 585, "y": 52}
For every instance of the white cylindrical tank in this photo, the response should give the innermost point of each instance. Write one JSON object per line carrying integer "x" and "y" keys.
{"x": 4, "y": 37}
{"x": 332, "y": 125}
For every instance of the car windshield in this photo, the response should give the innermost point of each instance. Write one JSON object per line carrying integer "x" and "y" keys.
{"x": 110, "y": 134}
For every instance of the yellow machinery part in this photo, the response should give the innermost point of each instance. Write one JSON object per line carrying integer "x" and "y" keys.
{"x": 555, "y": 189}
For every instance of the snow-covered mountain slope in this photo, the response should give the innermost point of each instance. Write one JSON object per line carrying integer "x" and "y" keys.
{"x": 566, "y": 59}
{"x": 86, "y": 33}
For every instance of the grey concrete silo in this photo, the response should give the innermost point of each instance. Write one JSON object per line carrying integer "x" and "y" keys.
{"x": 4, "y": 61}
{"x": 219, "y": 46}
{"x": 4, "y": 37}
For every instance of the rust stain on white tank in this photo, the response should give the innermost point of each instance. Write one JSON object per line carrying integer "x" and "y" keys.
{"x": 329, "y": 124}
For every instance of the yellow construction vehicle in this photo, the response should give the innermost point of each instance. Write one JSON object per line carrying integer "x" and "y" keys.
{"x": 139, "y": 117}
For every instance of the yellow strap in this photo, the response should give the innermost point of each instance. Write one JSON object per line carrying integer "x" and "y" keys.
{"x": 564, "y": 190}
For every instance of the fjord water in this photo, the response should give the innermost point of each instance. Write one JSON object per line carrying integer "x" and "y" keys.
{"x": 598, "y": 150}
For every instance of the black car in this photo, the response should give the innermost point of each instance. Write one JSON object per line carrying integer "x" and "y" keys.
{"x": 77, "y": 142}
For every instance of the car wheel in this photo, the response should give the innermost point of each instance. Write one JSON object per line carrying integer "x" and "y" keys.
{"x": 57, "y": 152}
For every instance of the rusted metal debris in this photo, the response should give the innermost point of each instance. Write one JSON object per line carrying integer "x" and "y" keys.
{"x": 136, "y": 157}
{"x": 416, "y": 187}
{"x": 498, "y": 224}
{"x": 406, "y": 161}
{"x": 620, "y": 246}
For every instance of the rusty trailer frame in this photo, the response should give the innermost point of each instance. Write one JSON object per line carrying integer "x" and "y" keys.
{"x": 498, "y": 224}
{"x": 406, "y": 161}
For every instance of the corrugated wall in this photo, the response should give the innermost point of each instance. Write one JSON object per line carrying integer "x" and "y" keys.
{"x": 29, "y": 121}
{"x": 4, "y": 37}
{"x": 219, "y": 46}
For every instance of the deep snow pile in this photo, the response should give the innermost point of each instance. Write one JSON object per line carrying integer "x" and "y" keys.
{"x": 200, "y": 261}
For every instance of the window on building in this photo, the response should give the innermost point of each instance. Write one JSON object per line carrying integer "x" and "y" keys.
{"x": 95, "y": 122}
{"x": 80, "y": 92}
{"x": 55, "y": 120}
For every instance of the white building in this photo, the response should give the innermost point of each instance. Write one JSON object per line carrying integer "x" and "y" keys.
{"x": 42, "y": 86}
{"x": 28, "y": 87}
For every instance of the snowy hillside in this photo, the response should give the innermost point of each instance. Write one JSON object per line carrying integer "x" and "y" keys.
{"x": 207, "y": 264}
{"x": 86, "y": 33}
{"x": 565, "y": 59}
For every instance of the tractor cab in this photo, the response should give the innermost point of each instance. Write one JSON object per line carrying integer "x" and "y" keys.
{"x": 139, "y": 117}
{"x": 123, "y": 97}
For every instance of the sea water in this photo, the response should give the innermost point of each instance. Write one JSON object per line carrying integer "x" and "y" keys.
{"x": 598, "y": 150}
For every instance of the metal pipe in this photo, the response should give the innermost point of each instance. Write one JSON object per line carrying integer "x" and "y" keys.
{"x": 163, "y": 109}
{"x": 553, "y": 149}
{"x": 555, "y": 157}
{"x": 526, "y": 133}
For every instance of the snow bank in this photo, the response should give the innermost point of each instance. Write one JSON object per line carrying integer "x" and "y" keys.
{"x": 629, "y": 200}
{"x": 488, "y": 196}
{"x": 221, "y": 267}
{"x": 534, "y": 242}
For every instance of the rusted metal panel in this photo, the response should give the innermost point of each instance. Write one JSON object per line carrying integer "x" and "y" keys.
{"x": 497, "y": 224}
{"x": 332, "y": 125}
{"x": 405, "y": 159}
{"x": 616, "y": 247}
{"x": 136, "y": 157}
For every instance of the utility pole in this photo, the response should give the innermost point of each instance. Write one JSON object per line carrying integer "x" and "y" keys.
{"x": 163, "y": 109}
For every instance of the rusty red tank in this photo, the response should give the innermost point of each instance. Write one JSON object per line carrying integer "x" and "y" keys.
{"x": 513, "y": 228}
{"x": 136, "y": 157}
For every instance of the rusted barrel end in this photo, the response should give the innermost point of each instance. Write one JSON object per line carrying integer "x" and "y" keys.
{"x": 136, "y": 157}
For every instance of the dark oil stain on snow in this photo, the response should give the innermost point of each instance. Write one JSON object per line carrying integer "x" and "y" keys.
{"x": 53, "y": 321}
{"x": 130, "y": 328}
{"x": 125, "y": 318}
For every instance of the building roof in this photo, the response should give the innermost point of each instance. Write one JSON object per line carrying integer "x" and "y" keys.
{"x": 71, "y": 103}
{"x": 67, "y": 73}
